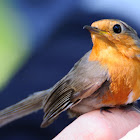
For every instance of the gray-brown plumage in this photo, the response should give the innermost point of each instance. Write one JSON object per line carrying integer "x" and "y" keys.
{"x": 68, "y": 93}
{"x": 25, "y": 107}
{"x": 82, "y": 81}
{"x": 107, "y": 76}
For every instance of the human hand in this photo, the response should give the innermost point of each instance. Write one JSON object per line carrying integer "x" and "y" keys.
{"x": 103, "y": 126}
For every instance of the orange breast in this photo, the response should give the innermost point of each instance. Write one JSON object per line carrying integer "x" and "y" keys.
{"x": 124, "y": 76}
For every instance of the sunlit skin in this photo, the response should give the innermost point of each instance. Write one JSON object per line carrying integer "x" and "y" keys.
{"x": 107, "y": 126}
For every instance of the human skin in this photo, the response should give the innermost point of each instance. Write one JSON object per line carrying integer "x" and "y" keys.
{"x": 102, "y": 126}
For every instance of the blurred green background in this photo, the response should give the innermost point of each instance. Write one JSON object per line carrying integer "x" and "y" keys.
{"x": 14, "y": 49}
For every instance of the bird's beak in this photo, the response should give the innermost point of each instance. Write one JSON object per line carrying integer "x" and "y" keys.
{"x": 94, "y": 30}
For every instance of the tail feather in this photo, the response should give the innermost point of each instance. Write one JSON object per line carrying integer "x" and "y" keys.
{"x": 25, "y": 107}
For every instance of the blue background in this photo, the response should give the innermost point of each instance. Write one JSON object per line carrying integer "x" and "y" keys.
{"x": 57, "y": 42}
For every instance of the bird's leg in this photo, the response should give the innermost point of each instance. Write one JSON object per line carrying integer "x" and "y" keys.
{"x": 106, "y": 109}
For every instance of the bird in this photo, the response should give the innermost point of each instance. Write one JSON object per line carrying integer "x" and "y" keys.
{"x": 107, "y": 76}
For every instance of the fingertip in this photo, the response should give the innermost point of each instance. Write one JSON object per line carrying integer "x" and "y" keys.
{"x": 101, "y": 126}
{"x": 133, "y": 134}
{"x": 89, "y": 126}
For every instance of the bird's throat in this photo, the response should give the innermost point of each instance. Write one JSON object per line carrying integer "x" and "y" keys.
{"x": 104, "y": 49}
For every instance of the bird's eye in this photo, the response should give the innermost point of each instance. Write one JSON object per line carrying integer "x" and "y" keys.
{"x": 117, "y": 28}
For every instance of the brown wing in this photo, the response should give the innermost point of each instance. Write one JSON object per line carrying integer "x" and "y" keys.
{"x": 82, "y": 81}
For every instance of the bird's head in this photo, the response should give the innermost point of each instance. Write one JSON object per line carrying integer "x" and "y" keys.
{"x": 115, "y": 33}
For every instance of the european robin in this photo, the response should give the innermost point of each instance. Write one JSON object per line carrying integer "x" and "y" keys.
{"x": 106, "y": 76}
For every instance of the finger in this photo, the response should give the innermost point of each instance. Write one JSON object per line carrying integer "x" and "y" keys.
{"x": 101, "y": 126}
{"x": 133, "y": 134}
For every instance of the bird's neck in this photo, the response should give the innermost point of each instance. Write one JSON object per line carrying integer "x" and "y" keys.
{"x": 105, "y": 50}
{"x": 122, "y": 68}
{"x": 102, "y": 49}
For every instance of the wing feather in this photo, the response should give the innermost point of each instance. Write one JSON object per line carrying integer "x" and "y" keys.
{"x": 84, "y": 79}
